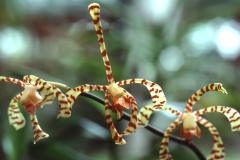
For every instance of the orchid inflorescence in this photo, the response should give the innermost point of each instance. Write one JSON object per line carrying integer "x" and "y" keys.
{"x": 38, "y": 92}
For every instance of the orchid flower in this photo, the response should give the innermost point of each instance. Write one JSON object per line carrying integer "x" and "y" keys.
{"x": 190, "y": 119}
{"x": 36, "y": 94}
{"x": 120, "y": 98}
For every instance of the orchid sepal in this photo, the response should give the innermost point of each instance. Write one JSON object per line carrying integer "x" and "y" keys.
{"x": 232, "y": 115}
{"x": 37, "y": 131}
{"x": 199, "y": 93}
{"x": 16, "y": 118}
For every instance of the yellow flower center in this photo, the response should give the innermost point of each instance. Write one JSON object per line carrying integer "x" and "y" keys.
{"x": 189, "y": 121}
{"x": 115, "y": 90}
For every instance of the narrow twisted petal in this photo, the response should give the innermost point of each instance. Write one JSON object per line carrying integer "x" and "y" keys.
{"x": 37, "y": 131}
{"x": 12, "y": 80}
{"x": 218, "y": 148}
{"x": 144, "y": 115}
{"x": 156, "y": 92}
{"x": 15, "y": 116}
{"x": 232, "y": 115}
{"x": 198, "y": 94}
{"x": 65, "y": 108}
{"x": 164, "y": 153}
{"x": 115, "y": 135}
{"x": 174, "y": 111}
{"x": 94, "y": 10}
{"x": 132, "y": 125}
{"x": 72, "y": 94}
{"x": 59, "y": 85}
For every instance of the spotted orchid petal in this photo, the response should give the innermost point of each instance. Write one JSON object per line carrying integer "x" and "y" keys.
{"x": 94, "y": 10}
{"x": 156, "y": 92}
{"x": 198, "y": 94}
{"x": 232, "y": 115}
{"x": 164, "y": 153}
{"x": 37, "y": 131}
{"x": 174, "y": 111}
{"x": 132, "y": 125}
{"x": 72, "y": 94}
{"x": 218, "y": 148}
{"x": 143, "y": 119}
{"x": 49, "y": 92}
{"x": 12, "y": 80}
{"x": 16, "y": 118}
{"x": 115, "y": 135}
{"x": 146, "y": 112}
{"x": 144, "y": 115}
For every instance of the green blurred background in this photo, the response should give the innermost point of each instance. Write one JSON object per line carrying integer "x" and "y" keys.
{"x": 181, "y": 45}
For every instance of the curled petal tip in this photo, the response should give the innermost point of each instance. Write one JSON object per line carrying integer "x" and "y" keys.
{"x": 222, "y": 89}
{"x": 40, "y": 136}
{"x": 65, "y": 112}
{"x": 121, "y": 143}
{"x": 17, "y": 128}
{"x": 93, "y": 6}
{"x": 63, "y": 115}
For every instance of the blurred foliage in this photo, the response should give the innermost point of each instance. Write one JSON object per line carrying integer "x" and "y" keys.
{"x": 173, "y": 43}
